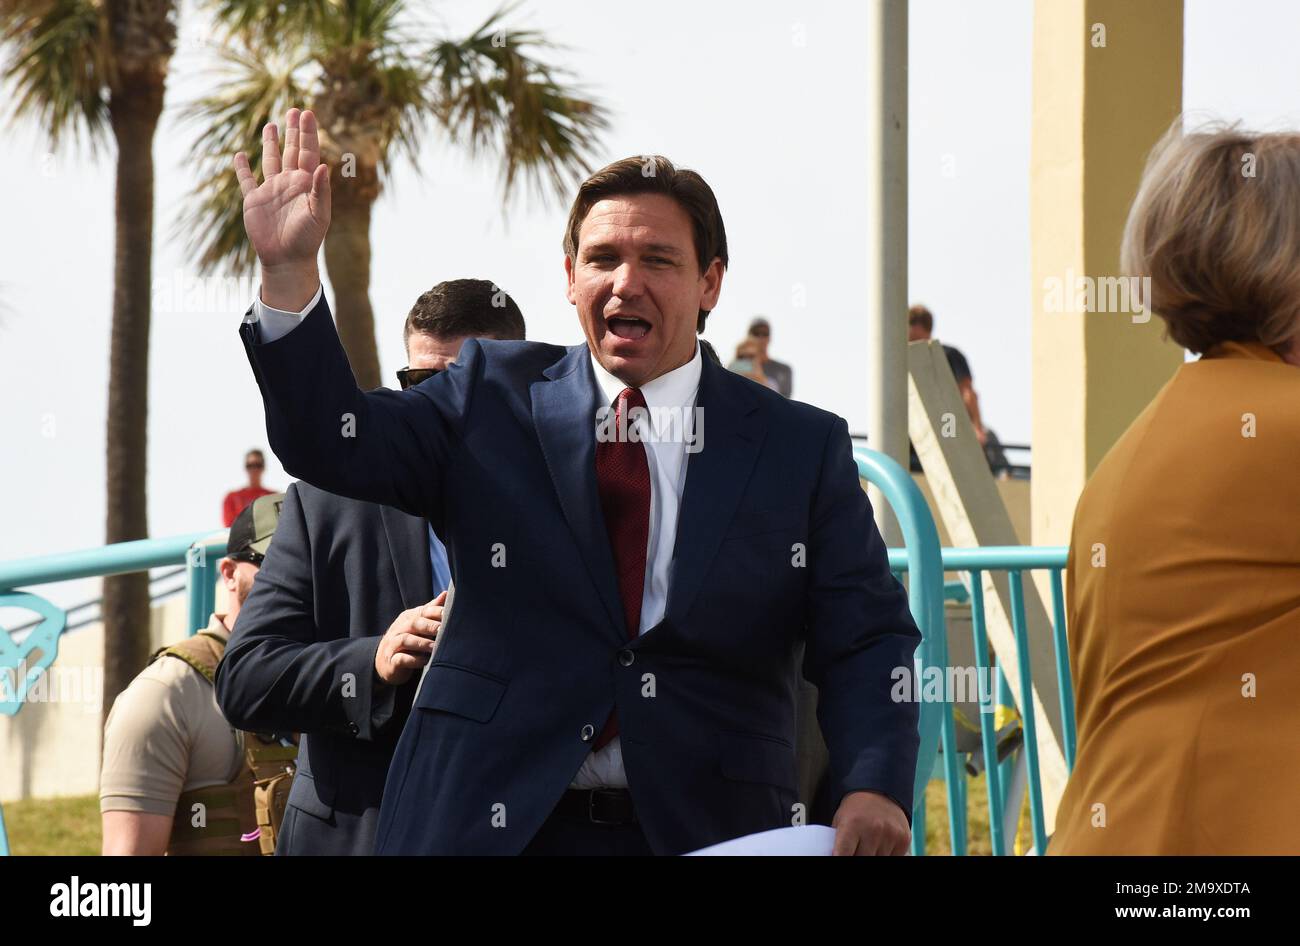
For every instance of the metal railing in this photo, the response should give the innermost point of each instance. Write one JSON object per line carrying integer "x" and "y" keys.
{"x": 1015, "y": 561}
{"x": 198, "y": 552}
{"x": 922, "y": 560}
{"x": 89, "y": 611}
{"x": 920, "y": 557}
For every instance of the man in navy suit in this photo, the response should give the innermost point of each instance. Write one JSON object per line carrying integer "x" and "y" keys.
{"x": 640, "y": 542}
{"x": 346, "y": 610}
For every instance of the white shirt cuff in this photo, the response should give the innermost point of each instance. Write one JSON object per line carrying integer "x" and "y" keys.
{"x": 277, "y": 323}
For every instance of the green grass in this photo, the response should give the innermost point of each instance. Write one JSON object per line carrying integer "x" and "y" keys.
{"x": 53, "y": 825}
{"x": 977, "y": 819}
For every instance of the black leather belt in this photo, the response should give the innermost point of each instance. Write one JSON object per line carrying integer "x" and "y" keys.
{"x": 598, "y": 805}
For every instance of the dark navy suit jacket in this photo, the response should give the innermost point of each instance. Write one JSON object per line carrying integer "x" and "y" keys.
{"x": 775, "y": 545}
{"x": 302, "y": 659}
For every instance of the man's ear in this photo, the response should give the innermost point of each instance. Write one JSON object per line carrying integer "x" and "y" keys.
{"x": 568, "y": 279}
{"x": 712, "y": 282}
{"x": 227, "y": 569}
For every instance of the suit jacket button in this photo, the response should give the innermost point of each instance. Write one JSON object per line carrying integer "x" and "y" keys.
{"x": 588, "y": 732}
{"x": 354, "y": 728}
{"x": 626, "y": 657}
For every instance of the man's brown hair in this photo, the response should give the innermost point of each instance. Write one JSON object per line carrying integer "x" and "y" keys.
{"x": 458, "y": 307}
{"x": 921, "y": 316}
{"x": 655, "y": 174}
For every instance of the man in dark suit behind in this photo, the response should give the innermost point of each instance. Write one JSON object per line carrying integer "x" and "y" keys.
{"x": 311, "y": 653}
{"x": 633, "y": 583}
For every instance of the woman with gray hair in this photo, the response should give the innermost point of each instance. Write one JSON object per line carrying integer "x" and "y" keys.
{"x": 1184, "y": 566}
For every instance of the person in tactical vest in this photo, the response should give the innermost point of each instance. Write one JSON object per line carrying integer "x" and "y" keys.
{"x": 177, "y": 778}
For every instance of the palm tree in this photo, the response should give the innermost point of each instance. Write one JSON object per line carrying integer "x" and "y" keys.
{"x": 376, "y": 88}
{"x": 91, "y": 68}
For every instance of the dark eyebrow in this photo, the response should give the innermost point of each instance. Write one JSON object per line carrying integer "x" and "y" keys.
{"x": 666, "y": 249}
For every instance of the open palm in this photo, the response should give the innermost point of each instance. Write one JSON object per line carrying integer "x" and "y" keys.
{"x": 287, "y": 215}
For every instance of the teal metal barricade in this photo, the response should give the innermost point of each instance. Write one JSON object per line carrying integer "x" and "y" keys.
{"x": 973, "y": 563}
{"x": 925, "y": 564}
{"x": 921, "y": 560}
{"x": 24, "y": 660}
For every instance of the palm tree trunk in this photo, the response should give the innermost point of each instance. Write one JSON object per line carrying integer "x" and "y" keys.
{"x": 347, "y": 260}
{"x": 134, "y": 111}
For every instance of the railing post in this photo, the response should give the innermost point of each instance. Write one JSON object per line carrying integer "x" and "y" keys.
{"x": 925, "y": 598}
{"x": 201, "y": 579}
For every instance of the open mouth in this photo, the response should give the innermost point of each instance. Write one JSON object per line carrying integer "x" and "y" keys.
{"x": 628, "y": 327}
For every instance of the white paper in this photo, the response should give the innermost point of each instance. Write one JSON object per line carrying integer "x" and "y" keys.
{"x": 811, "y": 840}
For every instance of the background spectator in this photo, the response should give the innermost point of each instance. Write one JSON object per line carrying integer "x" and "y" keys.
{"x": 748, "y": 362}
{"x": 237, "y": 499}
{"x": 920, "y": 327}
{"x": 752, "y": 360}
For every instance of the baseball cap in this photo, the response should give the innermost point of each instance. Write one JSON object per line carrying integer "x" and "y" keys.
{"x": 251, "y": 532}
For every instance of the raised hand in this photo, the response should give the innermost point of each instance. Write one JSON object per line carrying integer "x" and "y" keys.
{"x": 287, "y": 215}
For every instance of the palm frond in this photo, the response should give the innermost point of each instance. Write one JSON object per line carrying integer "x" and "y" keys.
{"x": 55, "y": 55}
{"x": 257, "y": 86}
{"x": 374, "y": 23}
{"x": 268, "y": 22}
{"x": 494, "y": 94}
{"x": 377, "y": 88}
{"x": 323, "y": 24}
{"x": 374, "y": 78}
{"x": 403, "y": 86}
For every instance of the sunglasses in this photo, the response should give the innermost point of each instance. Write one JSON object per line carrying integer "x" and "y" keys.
{"x": 249, "y": 556}
{"x": 254, "y": 466}
{"x": 410, "y": 377}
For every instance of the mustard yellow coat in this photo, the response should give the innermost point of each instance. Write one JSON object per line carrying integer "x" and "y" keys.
{"x": 1183, "y": 601}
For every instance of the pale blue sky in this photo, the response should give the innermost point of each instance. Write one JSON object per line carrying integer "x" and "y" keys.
{"x": 766, "y": 99}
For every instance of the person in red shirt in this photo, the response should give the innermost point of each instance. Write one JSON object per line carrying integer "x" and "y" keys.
{"x": 237, "y": 499}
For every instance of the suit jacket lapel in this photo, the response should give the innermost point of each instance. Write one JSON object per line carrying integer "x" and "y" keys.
{"x": 408, "y": 541}
{"x": 733, "y": 430}
{"x": 564, "y": 414}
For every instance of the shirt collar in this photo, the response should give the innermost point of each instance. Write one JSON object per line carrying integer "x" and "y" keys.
{"x": 676, "y": 388}
{"x": 217, "y": 627}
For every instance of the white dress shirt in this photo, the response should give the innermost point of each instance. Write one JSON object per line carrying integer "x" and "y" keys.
{"x": 276, "y": 323}
{"x": 674, "y": 392}
{"x": 672, "y": 395}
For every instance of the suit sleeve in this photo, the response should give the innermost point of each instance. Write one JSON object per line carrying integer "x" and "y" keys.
{"x": 859, "y": 629}
{"x": 388, "y": 447}
{"x": 277, "y": 676}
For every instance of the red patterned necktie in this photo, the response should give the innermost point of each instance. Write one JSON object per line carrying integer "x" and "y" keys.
{"x": 623, "y": 480}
